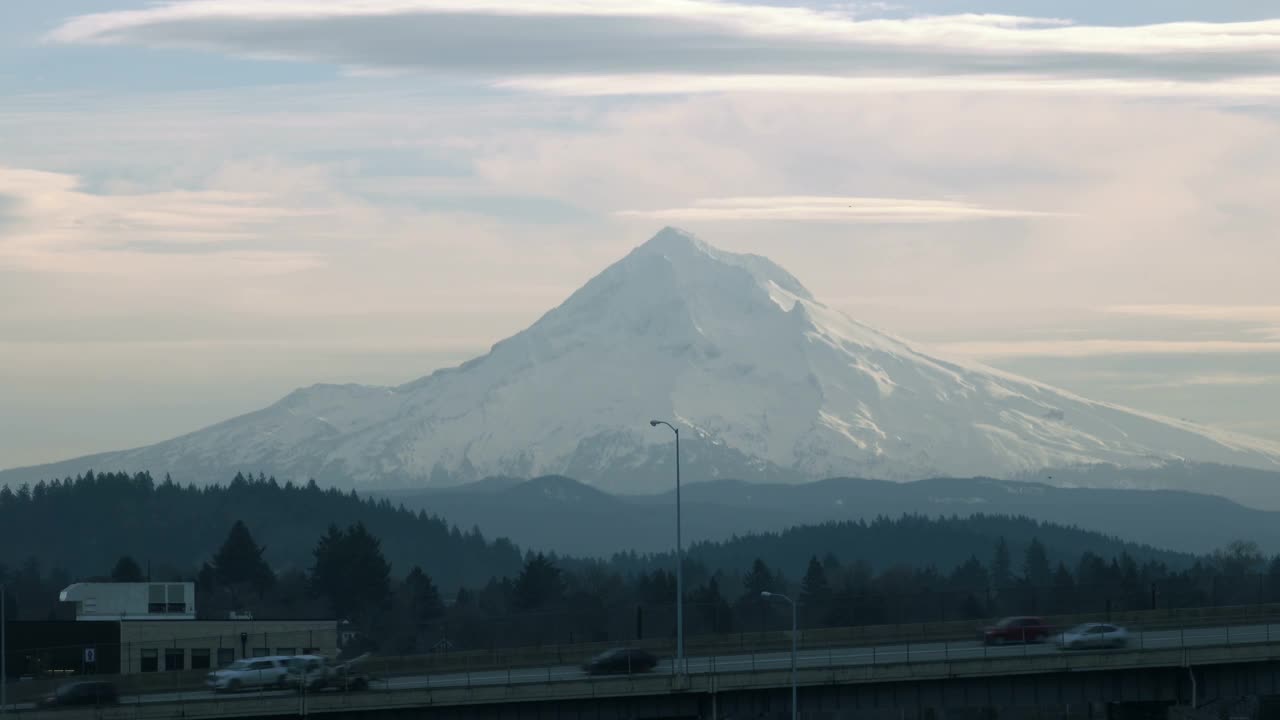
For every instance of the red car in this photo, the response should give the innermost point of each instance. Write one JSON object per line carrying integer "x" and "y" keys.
{"x": 1016, "y": 630}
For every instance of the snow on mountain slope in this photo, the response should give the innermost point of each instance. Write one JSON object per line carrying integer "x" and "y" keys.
{"x": 770, "y": 383}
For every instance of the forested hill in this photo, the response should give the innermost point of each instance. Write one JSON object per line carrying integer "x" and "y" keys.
{"x": 83, "y": 525}
{"x": 909, "y": 540}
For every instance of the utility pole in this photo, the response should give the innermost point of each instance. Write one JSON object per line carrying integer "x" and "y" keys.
{"x": 4, "y": 653}
{"x": 680, "y": 666}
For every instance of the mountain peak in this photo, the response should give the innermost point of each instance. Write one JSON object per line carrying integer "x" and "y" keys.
{"x": 673, "y": 238}
{"x": 695, "y": 259}
{"x": 771, "y": 384}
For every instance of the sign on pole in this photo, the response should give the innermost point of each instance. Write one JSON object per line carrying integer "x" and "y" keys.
{"x": 90, "y": 656}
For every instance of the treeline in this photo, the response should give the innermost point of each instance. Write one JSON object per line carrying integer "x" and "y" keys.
{"x": 915, "y": 540}
{"x": 82, "y": 525}
{"x": 433, "y": 587}
{"x": 560, "y": 601}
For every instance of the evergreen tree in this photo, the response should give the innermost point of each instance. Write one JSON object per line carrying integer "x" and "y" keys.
{"x": 424, "y": 597}
{"x": 239, "y": 561}
{"x": 815, "y": 589}
{"x": 351, "y": 572}
{"x": 127, "y": 571}
{"x": 971, "y": 577}
{"x": 760, "y": 579}
{"x": 1035, "y": 566}
{"x": 717, "y": 616}
{"x": 1062, "y": 580}
{"x": 1091, "y": 572}
{"x": 539, "y": 585}
{"x": 1001, "y": 568}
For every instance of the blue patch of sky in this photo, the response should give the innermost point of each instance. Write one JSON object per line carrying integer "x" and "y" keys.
{"x": 1093, "y": 12}
{"x": 395, "y": 162}
{"x": 30, "y": 65}
{"x": 64, "y": 68}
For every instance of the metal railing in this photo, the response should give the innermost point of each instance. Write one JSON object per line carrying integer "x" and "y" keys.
{"x": 394, "y": 678}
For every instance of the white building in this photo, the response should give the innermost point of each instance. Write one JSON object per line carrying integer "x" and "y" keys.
{"x": 132, "y": 601}
{"x": 147, "y": 643}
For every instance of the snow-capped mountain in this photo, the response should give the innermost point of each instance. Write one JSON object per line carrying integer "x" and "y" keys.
{"x": 765, "y": 381}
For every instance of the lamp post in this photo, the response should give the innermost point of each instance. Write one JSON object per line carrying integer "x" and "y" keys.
{"x": 679, "y": 555}
{"x": 795, "y": 626}
{"x": 4, "y": 653}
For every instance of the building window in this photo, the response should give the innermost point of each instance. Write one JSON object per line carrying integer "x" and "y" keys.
{"x": 200, "y": 658}
{"x": 177, "y": 601}
{"x": 311, "y": 651}
{"x": 156, "y": 599}
{"x": 150, "y": 661}
{"x": 175, "y": 659}
{"x": 287, "y": 651}
{"x": 226, "y": 656}
{"x": 261, "y": 652}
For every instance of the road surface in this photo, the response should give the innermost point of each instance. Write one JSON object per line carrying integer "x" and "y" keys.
{"x": 742, "y": 662}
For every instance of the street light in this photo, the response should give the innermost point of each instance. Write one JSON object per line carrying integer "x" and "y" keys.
{"x": 795, "y": 613}
{"x": 4, "y": 654}
{"x": 679, "y": 554}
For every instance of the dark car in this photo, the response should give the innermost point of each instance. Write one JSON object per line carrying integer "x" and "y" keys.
{"x": 1020, "y": 629}
{"x": 88, "y": 692}
{"x": 620, "y": 660}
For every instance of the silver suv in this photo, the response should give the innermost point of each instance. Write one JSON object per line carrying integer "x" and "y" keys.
{"x": 259, "y": 672}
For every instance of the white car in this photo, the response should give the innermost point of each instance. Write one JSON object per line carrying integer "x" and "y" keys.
{"x": 1093, "y": 635}
{"x": 260, "y": 672}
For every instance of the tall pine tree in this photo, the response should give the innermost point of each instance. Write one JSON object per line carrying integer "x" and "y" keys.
{"x": 539, "y": 584}
{"x": 1001, "y": 566}
{"x": 1035, "y": 566}
{"x": 351, "y": 572}
{"x": 239, "y": 561}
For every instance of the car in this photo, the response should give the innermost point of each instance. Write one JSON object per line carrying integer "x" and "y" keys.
{"x": 1018, "y": 629}
{"x": 316, "y": 672}
{"x": 620, "y": 660}
{"x": 1093, "y": 635}
{"x": 259, "y": 672}
{"x": 87, "y": 692}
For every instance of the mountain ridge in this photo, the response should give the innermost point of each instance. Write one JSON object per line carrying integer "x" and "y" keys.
{"x": 769, "y": 383}
{"x": 718, "y": 510}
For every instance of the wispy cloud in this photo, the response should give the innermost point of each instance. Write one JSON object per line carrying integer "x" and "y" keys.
{"x": 1232, "y": 313}
{"x": 52, "y": 224}
{"x": 1211, "y": 380}
{"x": 832, "y": 209}
{"x": 693, "y": 45}
{"x": 1259, "y": 88}
{"x": 1098, "y": 347}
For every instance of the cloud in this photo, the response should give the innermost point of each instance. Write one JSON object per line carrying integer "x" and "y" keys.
{"x": 693, "y": 45}
{"x": 1244, "y": 90}
{"x": 1232, "y": 313}
{"x": 1211, "y": 380}
{"x": 832, "y": 209}
{"x": 1098, "y": 347}
{"x": 54, "y": 225}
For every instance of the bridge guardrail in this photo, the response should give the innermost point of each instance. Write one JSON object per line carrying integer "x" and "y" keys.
{"x": 522, "y": 658}
{"x": 728, "y": 673}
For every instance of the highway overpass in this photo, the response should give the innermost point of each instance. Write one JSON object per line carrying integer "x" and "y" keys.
{"x": 1161, "y": 667}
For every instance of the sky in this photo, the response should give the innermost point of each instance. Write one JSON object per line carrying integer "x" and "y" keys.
{"x": 206, "y": 204}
